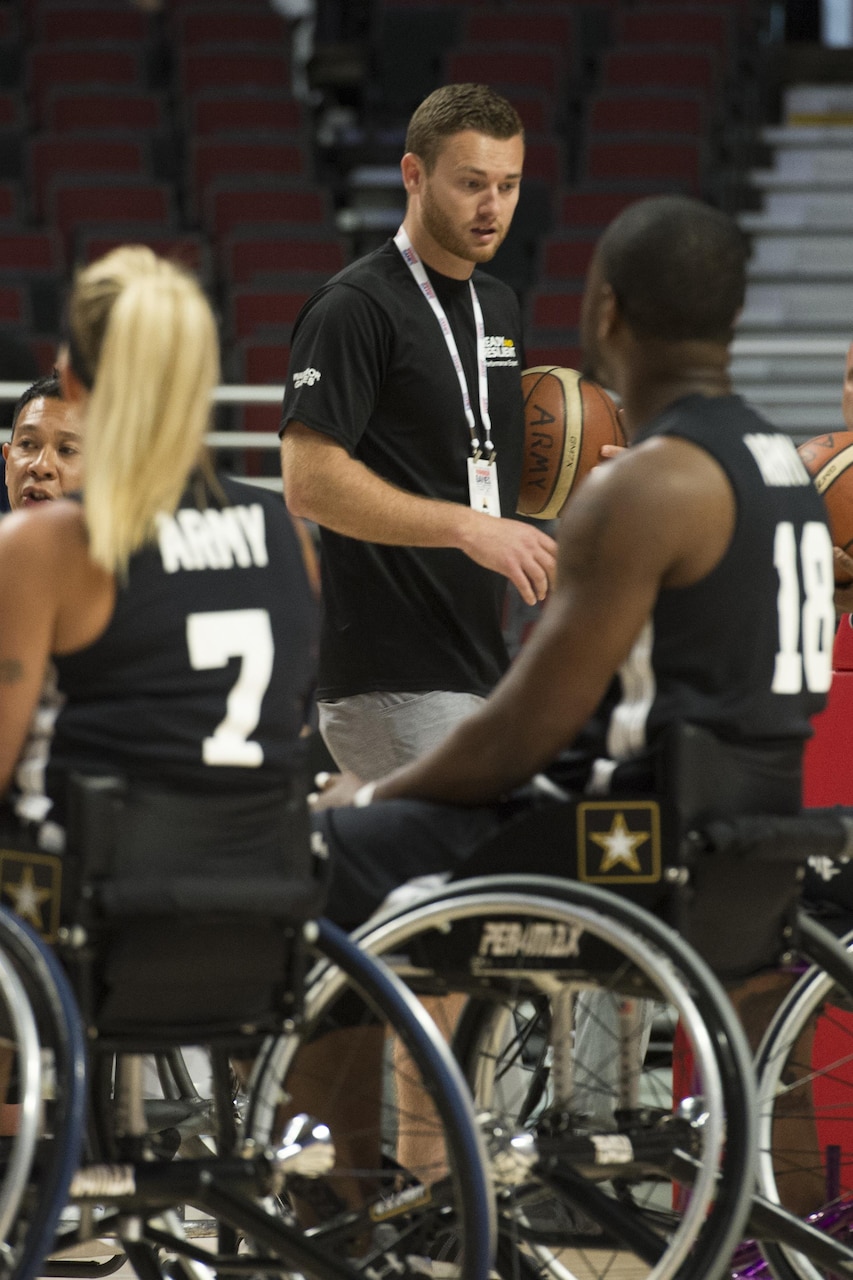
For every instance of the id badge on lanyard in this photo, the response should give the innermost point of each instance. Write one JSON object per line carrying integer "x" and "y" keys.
{"x": 483, "y": 486}
{"x": 483, "y": 493}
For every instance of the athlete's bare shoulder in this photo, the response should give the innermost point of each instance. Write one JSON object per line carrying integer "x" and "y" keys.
{"x": 664, "y": 508}
{"x": 56, "y": 529}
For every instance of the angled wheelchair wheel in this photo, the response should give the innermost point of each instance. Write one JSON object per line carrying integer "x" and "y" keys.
{"x": 568, "y": 1040}
{"x": 376, "y": 1210}
{"x": 41, "y": 1154}
{"x": 805, "y": 1120}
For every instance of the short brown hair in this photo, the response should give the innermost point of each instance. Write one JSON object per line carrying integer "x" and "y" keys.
{"x": 453, "y": 108}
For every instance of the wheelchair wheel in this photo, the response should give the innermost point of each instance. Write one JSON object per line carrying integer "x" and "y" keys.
{"x": 375, "y": 1209}
{"x": 51, "y": 1106}
{"x": 805, "y": 1117}
{"x": 567, "y": 1042}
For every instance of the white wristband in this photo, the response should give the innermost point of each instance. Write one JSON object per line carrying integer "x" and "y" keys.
{"x": 364, "y": 796}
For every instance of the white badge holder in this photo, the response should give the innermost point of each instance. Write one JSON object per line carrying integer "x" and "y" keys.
{"x": 483, "y": 491}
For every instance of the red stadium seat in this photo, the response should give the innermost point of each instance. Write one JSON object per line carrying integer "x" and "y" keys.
{"x": 254, "y": 310}
{"x": 545, "y": 349}
{"x": 15, "y": 305}
{"x": 61, "y": 22}
{"x": 9, "y": 28}
{"x": 679, "y": 163}
{"x": 32, "y": 9}
{"x": 527, "y": 24}
{"x": 538, "y": 67}
{"x": 185, "y": 247}
{"x": 642, "y": 67}
{"x": 246, "y": 202}
{"x": 544, "y": 157}
{"x": 220, "y": 68}
{"x": 51, "y": 154}
{"x": 258, "y": 361}
{"x": 648, "y": 111}
{"x": 556, "y": 308}
{"x": 213, "y": 158}
{"x": 11, "y": 110}
{"x": 48, "y": 66}
{"x": 30, "y": 250}
{"x": 240, "y": 112}
{"x": 263, "y": 360}
{"x": 103, "y": 110}
{"x": 11, "y": 205}
{"x": 176, "y": 6}
{"x": 595, "y": 209}
{"x": 567, "y": 255}
{"x": 248, "y": 257}
{"x": 676, "y": 24}
{"x": 228, "y": 24}
{"x": 73, "y": 204}
{"x": 426, "y": 4}
{"x": 45, "y": 349}
{"x": 536, "y": 108}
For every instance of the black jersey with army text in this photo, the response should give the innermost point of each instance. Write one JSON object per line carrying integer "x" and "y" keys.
{"x": 370, "y": 369}
{"x": 203, "y": 677}
{"x": 746, "y": 651}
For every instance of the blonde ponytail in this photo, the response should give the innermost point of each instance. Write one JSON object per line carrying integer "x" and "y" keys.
{"x": 143, "y": 336}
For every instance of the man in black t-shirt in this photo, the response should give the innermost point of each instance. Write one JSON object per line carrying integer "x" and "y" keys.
{"x": 402, "y": 439}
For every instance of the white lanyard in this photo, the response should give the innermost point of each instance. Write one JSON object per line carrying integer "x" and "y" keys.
{"x": 417, "y": 269}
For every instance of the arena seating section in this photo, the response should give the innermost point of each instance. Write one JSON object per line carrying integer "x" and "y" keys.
{"x": 179, "y": 129}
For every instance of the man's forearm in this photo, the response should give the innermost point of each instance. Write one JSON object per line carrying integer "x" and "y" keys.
{"x": 324, "y": 484}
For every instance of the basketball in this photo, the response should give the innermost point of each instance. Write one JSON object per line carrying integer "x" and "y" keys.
{"x": 567, "y": 418}
{"x": 829, "y": 461}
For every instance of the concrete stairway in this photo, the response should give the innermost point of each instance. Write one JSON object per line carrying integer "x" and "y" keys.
{"x": 793, "y": 335}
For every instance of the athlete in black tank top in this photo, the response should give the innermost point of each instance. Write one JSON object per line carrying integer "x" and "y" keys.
{"x": 161, "y": 630}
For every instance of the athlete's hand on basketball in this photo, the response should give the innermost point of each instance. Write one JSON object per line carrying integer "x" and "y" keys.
{"x": 613, "y": 450}
{"x": 524, "y": 554}
{"x": 333, "y": 790}
{"x": 843, "y": 593}
{"x": 610, "y": 451}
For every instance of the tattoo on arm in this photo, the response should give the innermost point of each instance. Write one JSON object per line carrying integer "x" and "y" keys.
{"x": 11, "y": 670}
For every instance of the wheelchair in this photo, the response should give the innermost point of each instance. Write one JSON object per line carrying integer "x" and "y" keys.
{"x": 148, "y": 956}
{"x": 599, "y": 1040}
{"x": 804, "y": 1075}
{"x": 594, "y": 1158}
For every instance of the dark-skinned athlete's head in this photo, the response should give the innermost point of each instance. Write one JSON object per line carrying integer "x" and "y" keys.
{"x": 677, "y": 267}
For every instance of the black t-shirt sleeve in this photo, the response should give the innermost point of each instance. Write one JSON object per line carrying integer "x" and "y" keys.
{"x": 338, "y": 361}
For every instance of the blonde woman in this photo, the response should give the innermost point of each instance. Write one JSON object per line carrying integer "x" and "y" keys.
{"x": 169, "y": 614}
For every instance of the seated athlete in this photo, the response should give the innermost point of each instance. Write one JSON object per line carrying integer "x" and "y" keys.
{"x": 694, "y": 584}
{"x": 169, "y": 613}
{"x": 44, "y": 457}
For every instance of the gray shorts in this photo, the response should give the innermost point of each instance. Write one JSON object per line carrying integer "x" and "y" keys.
{"x": 373, "y": 733}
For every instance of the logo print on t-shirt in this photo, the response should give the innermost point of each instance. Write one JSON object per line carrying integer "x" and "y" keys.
{"x": 501, "y": 352}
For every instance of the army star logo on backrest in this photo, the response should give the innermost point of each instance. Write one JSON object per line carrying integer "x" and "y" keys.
{"x": 619, "y": 842}
{"x": 30, "y": 886}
